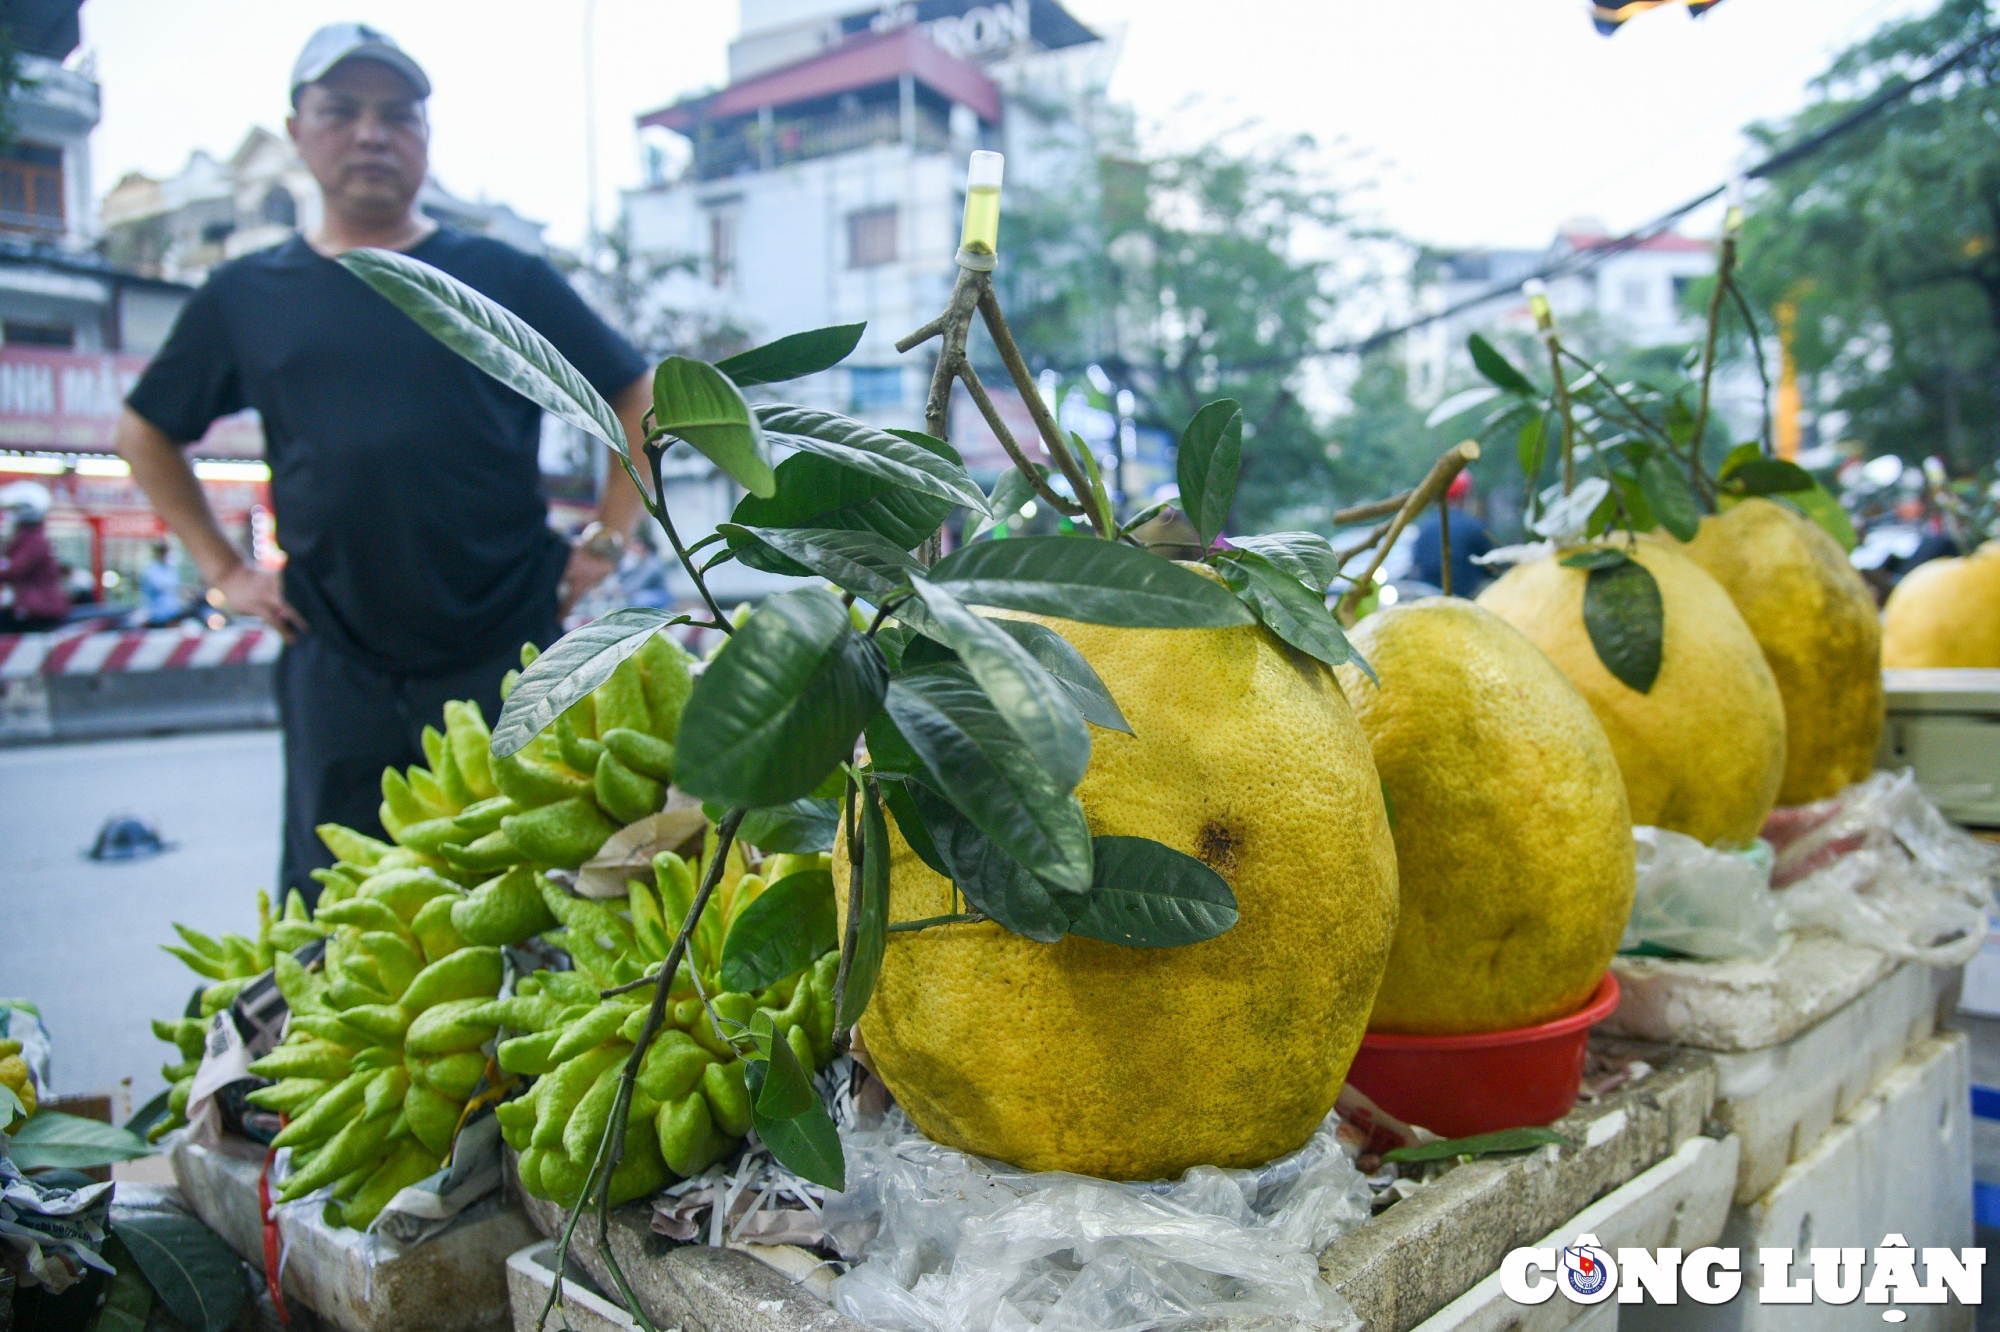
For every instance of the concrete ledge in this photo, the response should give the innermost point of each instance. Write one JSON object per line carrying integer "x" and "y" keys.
{"x": 36, "y": 709}
{"x": 1743, "y": 1004}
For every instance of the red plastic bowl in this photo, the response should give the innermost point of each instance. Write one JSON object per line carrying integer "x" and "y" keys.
{"x": 1457, "y": 1086}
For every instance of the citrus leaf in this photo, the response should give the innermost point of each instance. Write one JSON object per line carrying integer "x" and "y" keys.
{"x": 490, "y": 336}
{"x": 1082, "y": 578}
{"x": 190, "y": 1267}
{"x": 577, "y": 663}
{"x": 1307, "y": 556}
{"x": 902, "y": 808}
{"x": 1597, "y": 557}
{"x": 807, "y": 1144}
{"x": 128, "y": 1300}
{"x": 1766, "y": 476}
{"x": 1210, "y": 456}
{"x": 11, "y": 1105}
{"x": 782, "y": 930}
{"x": 779, "y": 1088}
{"x": 1145, "y": 894}
{"x": 1060, "y": 659}
{"x": 878, "y": 453}
{"x": 793, "y": 356}
{"x": 1486, "y": 359}
{"x": 1289, "y": 609}
{"x": 864, "y": 563}
{"x": 871, "y": 937}
{"x": 992, "y": 881}
{"x": 801, "y": 828}
{"x": 1027, "y": 696}
{"x": 694, "y": 401}
{"x": 781, "y": 705}
{"x": 1820, "y": 505}
{"x": 142, "y": 1120}
{"x": 52, "y": 1140}
{"x": 981, "y": 764}
{"x": 1670, "y": 497}
{"x": 1528, "y": 447}
{"x": 1480, "y": 1144}
{"x": 816, "y": 492}
{"x": 1625, "y": 619}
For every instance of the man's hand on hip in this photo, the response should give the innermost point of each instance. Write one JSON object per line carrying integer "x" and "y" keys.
{"x": 250, "y": 590}
{"x": 585, "y": 571}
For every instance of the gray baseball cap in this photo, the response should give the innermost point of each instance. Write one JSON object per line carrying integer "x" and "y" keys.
{"x": 354, "y": 41}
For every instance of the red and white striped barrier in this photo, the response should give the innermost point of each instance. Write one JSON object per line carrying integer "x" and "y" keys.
{"x": 95, "y": 651}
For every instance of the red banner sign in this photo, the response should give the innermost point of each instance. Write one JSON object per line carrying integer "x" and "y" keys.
{"x": 68, "y": 402}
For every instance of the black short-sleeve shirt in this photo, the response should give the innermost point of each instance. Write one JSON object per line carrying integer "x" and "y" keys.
{"x": 404, "y": 483}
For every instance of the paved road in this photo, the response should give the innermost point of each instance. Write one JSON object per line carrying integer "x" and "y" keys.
{"x": 82, "y": 938}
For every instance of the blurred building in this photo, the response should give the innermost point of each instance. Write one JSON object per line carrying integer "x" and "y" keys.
{"x": 824, "y": 183}
{"x": 1632, "y": 296}
{"x": 215, "y": 209}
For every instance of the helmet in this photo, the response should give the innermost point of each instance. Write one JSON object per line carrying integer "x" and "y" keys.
{"x": 1460, "y": 487}
{"x": 29, "y": 499}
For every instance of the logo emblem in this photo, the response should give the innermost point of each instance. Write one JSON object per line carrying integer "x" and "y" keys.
{"x": 1587, "y": 1273}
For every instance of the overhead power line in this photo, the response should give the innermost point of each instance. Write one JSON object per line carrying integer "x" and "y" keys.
{"x": 1583, "y": 261}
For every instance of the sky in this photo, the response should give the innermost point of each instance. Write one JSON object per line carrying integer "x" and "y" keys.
{"x": 1465, "y": 122}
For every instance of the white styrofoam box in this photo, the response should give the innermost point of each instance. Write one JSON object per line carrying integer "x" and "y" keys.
{"x": 1742, "y": 1003}
{"x": 531, "y": 1272}
{"x": 454, "y": 1280}
{"x": 1681, "y": 1202}
{"x": 1899, "y": 1163}
{"x": 1944, "y": 725}
{"x": 1781, "y": 1099}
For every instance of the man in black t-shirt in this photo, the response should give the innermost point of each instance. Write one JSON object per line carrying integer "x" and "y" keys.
{"x": 404, "y": 482}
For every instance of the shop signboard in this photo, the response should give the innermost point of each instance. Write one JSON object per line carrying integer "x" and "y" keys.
{"x": 68, "y": 402}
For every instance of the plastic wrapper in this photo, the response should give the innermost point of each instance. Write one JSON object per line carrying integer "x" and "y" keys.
{"x": 941, "y": 1240}
{"x": 50, "y": 1237}
{"x": 1878, "y": 865}
{"x": 1695, "y": 901}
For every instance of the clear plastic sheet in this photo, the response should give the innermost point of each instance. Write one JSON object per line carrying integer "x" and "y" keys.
{"x": 1878, "y": 865}
{"x": 941, "y": 1241}
{"x": 1696, "y": 901}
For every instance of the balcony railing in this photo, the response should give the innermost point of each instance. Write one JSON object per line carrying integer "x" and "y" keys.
{"x": 750, "y": 147}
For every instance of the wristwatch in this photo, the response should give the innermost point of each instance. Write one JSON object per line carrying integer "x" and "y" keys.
{"x": 605, "y": 543}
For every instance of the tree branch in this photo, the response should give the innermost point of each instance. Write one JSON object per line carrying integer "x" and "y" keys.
{"x": 1452, "y": 462}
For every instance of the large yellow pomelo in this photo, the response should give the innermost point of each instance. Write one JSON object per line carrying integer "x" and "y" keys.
{"x": 1822, "y": 637}
{"x": 1946, "y": 613}
{"x": 1702, "y": 751}
{"x": 1513, "y": 840}
{"x": 1137, "y": 1063}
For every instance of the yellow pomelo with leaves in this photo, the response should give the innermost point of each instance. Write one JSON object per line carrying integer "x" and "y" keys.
{"x": 1701, "y": 743}
{"x": 1945, "y": 613}
{"x": 1137, "y": 1063}
{"x": 1513, "y": 840}
{"x": 1820, "y": 633}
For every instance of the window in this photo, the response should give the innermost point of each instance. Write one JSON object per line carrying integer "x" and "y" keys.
{"x": 31, "y": 188}
{"x": 1634, "y": 293}
{"x": 17, "y": 334}
{"x": 1681, "y": 285}
{"x": 871, "y": 237}
{"x": 870, "y": 386}
{"x": 722, "y": 247}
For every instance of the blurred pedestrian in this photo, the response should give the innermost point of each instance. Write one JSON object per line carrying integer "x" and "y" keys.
{"x": 1468, "y": 538}
{"x": 32, "y": 596}
{"x": 404, "y": 482}
{"x": 160, "y": 594}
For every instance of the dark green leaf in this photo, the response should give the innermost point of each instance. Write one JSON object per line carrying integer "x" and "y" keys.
{"x": 1027, "y": 696}
{"x": 892, "y": 639}
{"x": 1766, "y": 476}
{"x": 1099, "y": 499}
{"x": 190, "y": 1267}
{"x": 1211, "y": 454}
{"x": 781, "y": 705}
{"x": 577, "y": 663}
{"x": 490, "y": 336}
{"x": 863, "y": 563}
{"x": 1627, "y": 625}
{"x": 1145, "y": 894}
{"x": 1670, "y": 496}
{"x": 1528, "y": 448}
{"x": 816, "y": 492}
{"x": 1596, "y": 557}
{"x": 1306, "y": 556}
{"x": 52, "y": 1140}
{"x": 793, "y": 356}
{"x": 992, "y": 881}
{"x": 879, "y": 453}
{"x": 783, "y": 1090}
{"x": 808, "y": 1145}
{"x": 1638, "y": 511}
{"x": 694, "y": 401}
{"x": 142, "y": 1120}
{"x": 128, "y": 1300}
{"x": 1071, "y": 671}
{"x": 871, "y": 937}
{"x": 1486, "y": 359}
{"x": 1082, "y": 578}
{"x": 1010, "y": 493}
{"x": 1288, "y": 608}
{"x": 888, "y": 751}
{"x": 981, "y": 764}
{"x": 1819, "y": 505}
{"x": 896, "y": 797}
{"x": 1739, "y": 455}
{"x": 1480, "y": 1144}
{"x": 800, "y": 828}
{"x": 788, "y": 925}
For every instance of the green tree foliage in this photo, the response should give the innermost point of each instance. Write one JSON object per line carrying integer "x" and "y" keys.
{"x": 1888, "y": 242}
{"x": 1188, "y": 277}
